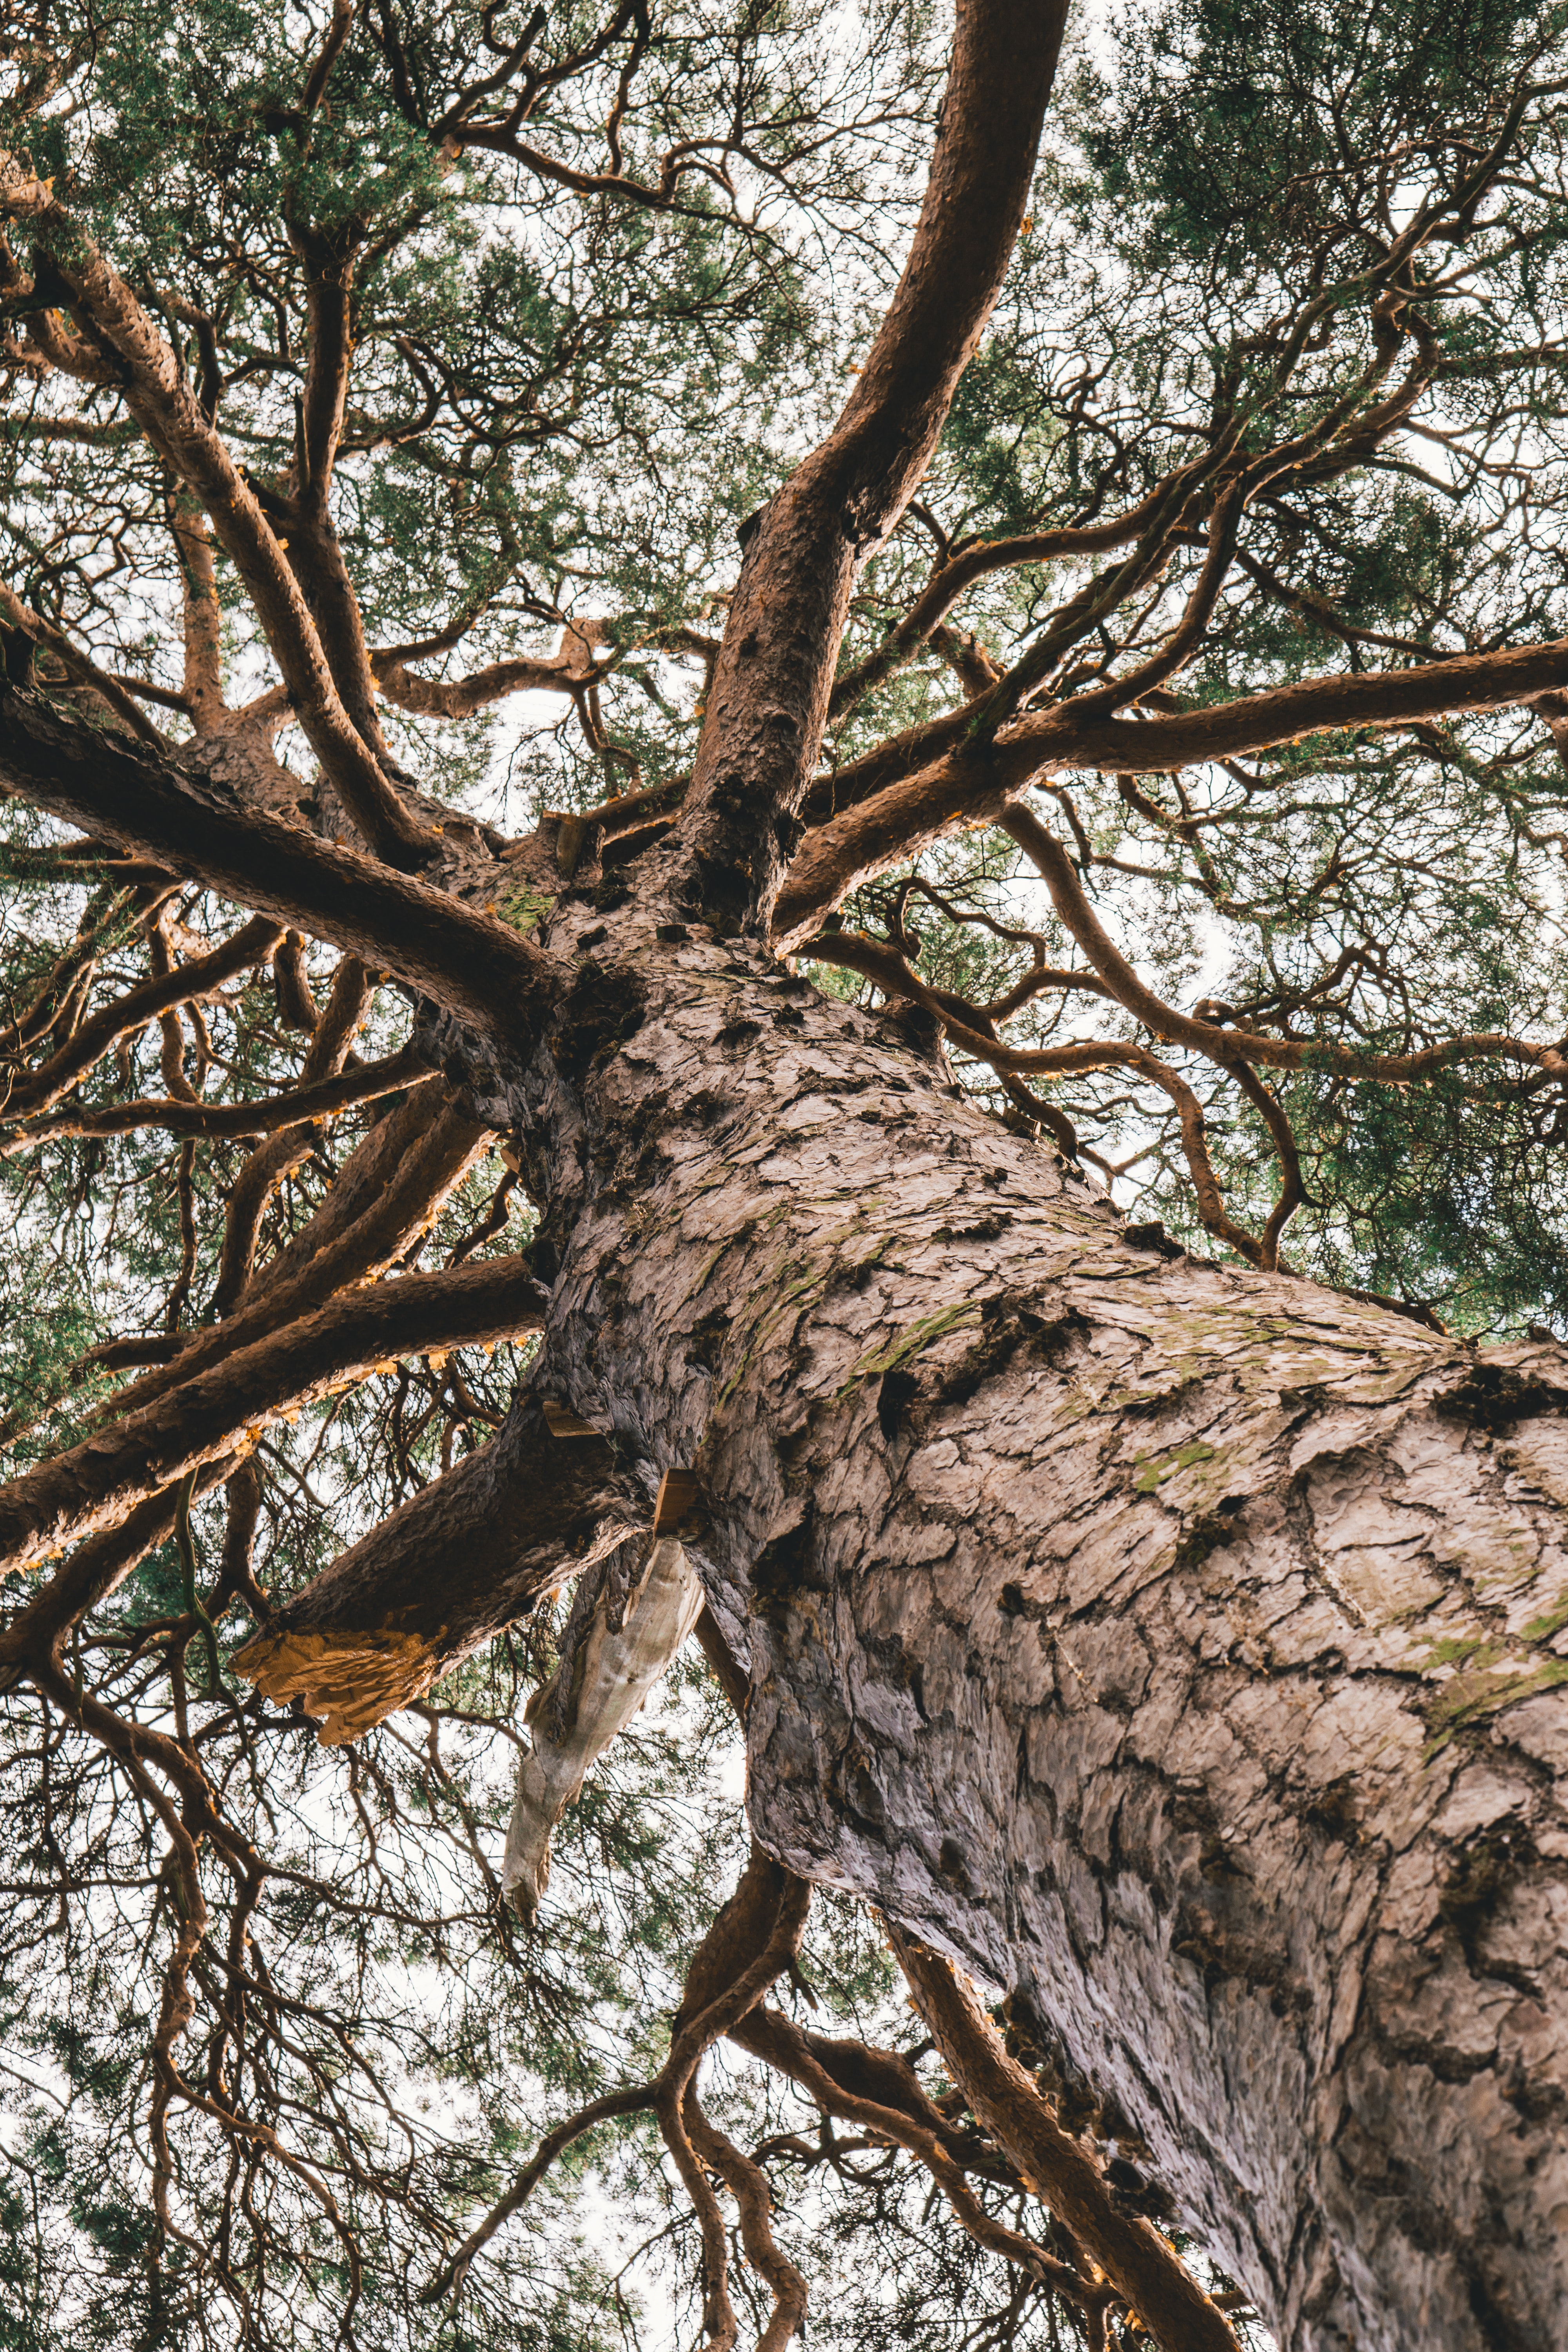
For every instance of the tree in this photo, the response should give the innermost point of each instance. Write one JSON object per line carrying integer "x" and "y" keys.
{"x": 1174, "y": 1641}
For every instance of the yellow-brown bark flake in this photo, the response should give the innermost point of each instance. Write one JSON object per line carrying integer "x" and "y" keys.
{"x": 349, "y": 1680}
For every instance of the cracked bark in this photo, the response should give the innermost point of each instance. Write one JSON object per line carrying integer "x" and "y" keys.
{"x": 1171, "y": 1646}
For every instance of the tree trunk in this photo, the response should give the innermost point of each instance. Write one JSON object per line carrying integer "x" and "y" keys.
{"x": 1175, "y": 1647}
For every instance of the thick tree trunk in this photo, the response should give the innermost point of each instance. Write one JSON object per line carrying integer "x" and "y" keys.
{"x": 1178, "y": 1648}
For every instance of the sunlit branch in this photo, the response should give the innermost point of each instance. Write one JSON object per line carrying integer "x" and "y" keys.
{"x": 154, "y": 389}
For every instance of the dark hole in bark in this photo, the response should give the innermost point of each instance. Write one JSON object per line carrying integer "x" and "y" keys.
{"x": 1492, "y": 1397}
{"x": 1333, "y": 1811}
{"x": 602, "y": 1011}
{"x": 1205, "y": 1535}
{"x": 951, "y": 1863}
{"x": 707, "y": 1340}
{"x": 1151, "y": 1236}
{"x": 863, "y": 1797}
{"x": 782, "y": 1568}
{"x": 1482, "y": 1875}
{"x": 897, "y": 1393}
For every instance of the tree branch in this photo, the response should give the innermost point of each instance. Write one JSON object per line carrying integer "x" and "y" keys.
{"x": 331, "y": 1033}
{"x": 445, "y": 1572}
{"x": 566, "y": 671}
{"x": 883, "y": 816}
{"x": 154, "y": 387}
{"x": 304, "y": 1104}
{"x": 385, "y": 1194}
{"x": 218, "y": 1409}
{"x": 250, "y": 945}
{"x": 768, "y": 704}
{"x": 974, "y": 562}
{"x": 190, "y": 823}
{"x": 1132, "y": 2254}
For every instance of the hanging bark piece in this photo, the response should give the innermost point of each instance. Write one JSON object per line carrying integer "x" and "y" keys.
{"x": 603, "y": 1681}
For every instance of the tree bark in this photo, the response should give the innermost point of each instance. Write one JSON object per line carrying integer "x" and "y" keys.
{"x": 1174, "y": 1647}
{"x": 1177, "y": 1649}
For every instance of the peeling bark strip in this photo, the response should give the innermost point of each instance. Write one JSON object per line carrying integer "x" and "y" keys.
{"x": 602, "y": 1683}
{"x": 1175, "y": 1647}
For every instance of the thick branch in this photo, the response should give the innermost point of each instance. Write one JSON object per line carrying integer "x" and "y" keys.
{"x": 768, "y": 704}
{"x": 884, "y": 816}
{"x": 216, "y": 1410}
{"x": 184, "y": 820}
{"x": 753, "y": 1937}
{"x": 447, "y": 1570}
